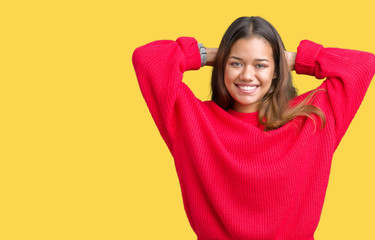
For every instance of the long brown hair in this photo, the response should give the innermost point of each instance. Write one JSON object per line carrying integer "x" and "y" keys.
{"x": 274, "y": 109}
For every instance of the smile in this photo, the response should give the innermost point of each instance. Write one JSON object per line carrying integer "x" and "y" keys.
{"x": 247, "y": 89}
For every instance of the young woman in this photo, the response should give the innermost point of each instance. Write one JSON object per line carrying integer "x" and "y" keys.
{"x": 254, "y": 162}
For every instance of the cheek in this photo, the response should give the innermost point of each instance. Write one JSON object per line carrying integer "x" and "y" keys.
{"x": 267, "y": 78}
{"x": 229, "y": 77}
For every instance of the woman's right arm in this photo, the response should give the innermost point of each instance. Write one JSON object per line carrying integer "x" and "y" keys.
{"x": 211, "y": 56}
{"x": 159, "y": 67}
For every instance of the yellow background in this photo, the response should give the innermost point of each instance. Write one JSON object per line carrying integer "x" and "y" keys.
{"x": 80, "y": 157}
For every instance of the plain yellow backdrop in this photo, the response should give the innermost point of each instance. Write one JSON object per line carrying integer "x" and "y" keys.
{"x": 80, "y": 157}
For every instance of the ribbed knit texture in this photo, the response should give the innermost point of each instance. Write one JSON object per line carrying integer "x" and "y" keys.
{"x": 237, "y": 181}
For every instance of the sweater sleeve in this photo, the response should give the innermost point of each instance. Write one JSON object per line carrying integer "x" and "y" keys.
{"x": 348, "y": 74}
{"x": 159, "y": 67}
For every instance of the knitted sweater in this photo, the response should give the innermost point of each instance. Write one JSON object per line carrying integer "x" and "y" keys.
{"x": 237, "y": 181}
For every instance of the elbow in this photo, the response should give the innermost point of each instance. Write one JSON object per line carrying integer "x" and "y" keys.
{"x": 137, "y": 56}
{"x": 372, "y": 62}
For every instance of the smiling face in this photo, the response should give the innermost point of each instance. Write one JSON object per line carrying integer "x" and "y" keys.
{"x": 249, "y": 72}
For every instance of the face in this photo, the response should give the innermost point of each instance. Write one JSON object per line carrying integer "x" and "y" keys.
{"x": 249, "y": 72}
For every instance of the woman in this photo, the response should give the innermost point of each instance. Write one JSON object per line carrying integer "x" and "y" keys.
{"x": 254, "y": 162}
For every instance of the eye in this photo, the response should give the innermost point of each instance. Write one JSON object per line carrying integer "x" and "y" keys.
{"x": 261, "y": 66}
{"x": 236, "y": 64}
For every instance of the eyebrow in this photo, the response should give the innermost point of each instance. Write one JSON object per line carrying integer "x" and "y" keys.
{"x": 258, "y": 60}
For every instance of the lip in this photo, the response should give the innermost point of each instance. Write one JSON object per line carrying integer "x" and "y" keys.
{"x": 244, "y": 84}
{"x": 247, "y": 91}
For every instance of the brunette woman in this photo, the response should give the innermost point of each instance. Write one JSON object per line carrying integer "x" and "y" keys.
{"x": 253, "y": 162}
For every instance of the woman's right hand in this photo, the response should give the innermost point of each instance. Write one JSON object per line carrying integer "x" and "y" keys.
{"x": 211, "y": 56}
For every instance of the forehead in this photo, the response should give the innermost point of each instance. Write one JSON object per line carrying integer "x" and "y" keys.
{"x": 249, "y": 48}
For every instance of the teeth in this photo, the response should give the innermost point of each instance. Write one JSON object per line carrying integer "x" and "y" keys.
{"x": 247, "y": 88}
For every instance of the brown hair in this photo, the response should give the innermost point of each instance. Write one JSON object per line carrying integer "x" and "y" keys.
{"x": 274, "y": 108}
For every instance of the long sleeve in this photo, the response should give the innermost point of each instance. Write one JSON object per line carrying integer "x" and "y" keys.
{"x": 348, "y": 73}
{"x": 159, "y": 67}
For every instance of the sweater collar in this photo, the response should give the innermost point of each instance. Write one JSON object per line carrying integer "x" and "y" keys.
{"x": 251, "y": 118}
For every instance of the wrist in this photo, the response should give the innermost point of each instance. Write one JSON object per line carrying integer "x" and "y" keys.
{"x": 203, "y": 53}
{"x": 291, "y": 60}
{"x": 211, "y": 56}
{"x": 208, "y": 55}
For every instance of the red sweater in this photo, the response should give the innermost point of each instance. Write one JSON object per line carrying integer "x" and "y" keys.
{"x": 237, "y": 181}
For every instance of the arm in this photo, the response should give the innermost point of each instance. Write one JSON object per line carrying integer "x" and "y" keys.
{"x": 211, "y": 56}
{"x": 159, "y": 67}
{"x": 348, "y": 74}
{"x": 291, "y": 59}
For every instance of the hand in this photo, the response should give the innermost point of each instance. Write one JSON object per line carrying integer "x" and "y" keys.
{"x": 291, "y": 59}
{"x": 211, "y": 56}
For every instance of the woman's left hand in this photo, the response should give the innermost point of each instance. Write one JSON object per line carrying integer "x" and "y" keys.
{"x": 291, "y": 59}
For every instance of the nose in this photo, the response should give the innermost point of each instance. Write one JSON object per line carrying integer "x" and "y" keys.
{"x": 247, "y": 74}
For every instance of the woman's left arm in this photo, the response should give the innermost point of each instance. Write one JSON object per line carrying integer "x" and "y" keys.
{"x": 291, "y": 60}
{"x": 348, "y": 73}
